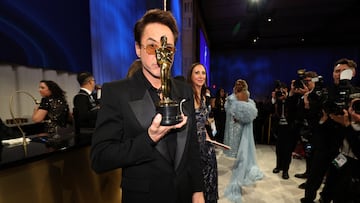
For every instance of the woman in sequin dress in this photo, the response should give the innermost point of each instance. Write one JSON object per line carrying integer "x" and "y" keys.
{"x": 53, "y": 109}
{"x": 197, "y": 78}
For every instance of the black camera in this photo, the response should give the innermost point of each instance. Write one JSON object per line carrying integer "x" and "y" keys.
{"x": 279, "y": 89}
{"x": 320, "y": 88}
{"x": 279, "y": 93}
{"x": 356, "y": 106}
{"x": 321, "y": 92}
{"x": 298, "y": 83}
{"x": 341, "y": 99}
{"x": 355, "y": 100}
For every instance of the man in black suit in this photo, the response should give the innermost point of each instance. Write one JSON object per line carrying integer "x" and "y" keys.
{"x": 327, "y": 141}
{"x": 85, "y": 106}
{"x": 160, "y": 164}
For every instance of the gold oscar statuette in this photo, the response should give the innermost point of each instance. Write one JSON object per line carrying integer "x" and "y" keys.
{"x": 168, "y": 108}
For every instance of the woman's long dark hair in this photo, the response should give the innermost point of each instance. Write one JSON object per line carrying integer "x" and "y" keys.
{"x": 56, "y": 91}
{"x": 203, "y": 88}
{"x": 219, "y": 98}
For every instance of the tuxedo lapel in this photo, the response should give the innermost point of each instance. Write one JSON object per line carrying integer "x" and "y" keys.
{"x": 182, "y": 134}
{"x": 91, "y": 99}
{"x": 144, "y": 110}
{"x": 181, "y": 141}
{"x": 145, "y": 113}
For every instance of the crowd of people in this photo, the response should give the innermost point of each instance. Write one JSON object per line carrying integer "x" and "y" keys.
{"x": 177, "y": 162}
{"x": 53, "y": 109}
{"x": 324, "y": 120}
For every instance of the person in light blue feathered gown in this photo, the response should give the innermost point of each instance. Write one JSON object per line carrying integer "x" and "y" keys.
{"x": 232, "y": 129}
{"x": 241, "y": 111}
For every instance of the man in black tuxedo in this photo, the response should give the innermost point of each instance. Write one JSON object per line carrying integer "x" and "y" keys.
{"x": 85, "y": 106}
{"x": 160, "y": 164}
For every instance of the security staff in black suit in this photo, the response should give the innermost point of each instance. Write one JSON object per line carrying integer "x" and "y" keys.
{"x": 160, "y": 164}
{"x": 85, "y": 106}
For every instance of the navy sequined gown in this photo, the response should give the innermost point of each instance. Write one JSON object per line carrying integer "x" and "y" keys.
{"x": 208, "y": 156}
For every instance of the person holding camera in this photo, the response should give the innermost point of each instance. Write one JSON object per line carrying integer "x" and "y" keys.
{"x": 288, "y": 115}
{"x": 283, "y": 156}
{"x": 345, "y": 168}
{"x": 312, "y": 100}
{"x": 328, "y": 140}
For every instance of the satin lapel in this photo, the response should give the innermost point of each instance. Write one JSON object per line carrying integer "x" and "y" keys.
{"x": 181, "y": 142}
{"x": 182, "y": 134}
{"x": 91, "y": 99}
{"x": 144, "y": 110}
{"x": 145, "y": 113}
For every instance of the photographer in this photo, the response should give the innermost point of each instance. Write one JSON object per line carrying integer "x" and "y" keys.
{"x": 312, "y": 99}
{"x": 328, "y": 139}
{"x": 280, "y": 127}
{"x": 345, "y": 168}
{"x": 349, "y": 174}
{"x": 288, "y": 116}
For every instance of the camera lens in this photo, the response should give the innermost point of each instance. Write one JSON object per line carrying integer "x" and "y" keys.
{"x": 278, "y": 93}
{"x": 356, "y": 106}
{"x": 298, "y": 84}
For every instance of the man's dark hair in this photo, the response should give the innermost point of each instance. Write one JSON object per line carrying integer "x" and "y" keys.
{"x": 310, "y": 74}
{"x": 84, "y": 77}
{"x": 349, "y": 62}
{"x": 155, "y": 16}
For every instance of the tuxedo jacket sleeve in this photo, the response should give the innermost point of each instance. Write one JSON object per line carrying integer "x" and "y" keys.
{"x": 121, "y": 140}
{"x": 85, "y": 112}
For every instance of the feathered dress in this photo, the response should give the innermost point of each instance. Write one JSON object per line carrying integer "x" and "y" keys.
{"x": 245, "y": 170}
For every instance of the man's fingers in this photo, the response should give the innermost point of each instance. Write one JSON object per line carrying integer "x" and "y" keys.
{"x": 157, "y": 120}
{"x": 182, "y": 123}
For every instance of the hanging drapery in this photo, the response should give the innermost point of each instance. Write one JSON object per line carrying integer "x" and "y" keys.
{"x": 113, "y": 44}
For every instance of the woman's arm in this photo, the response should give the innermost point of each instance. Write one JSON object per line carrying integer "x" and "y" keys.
{"x": 39, "y": 114}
